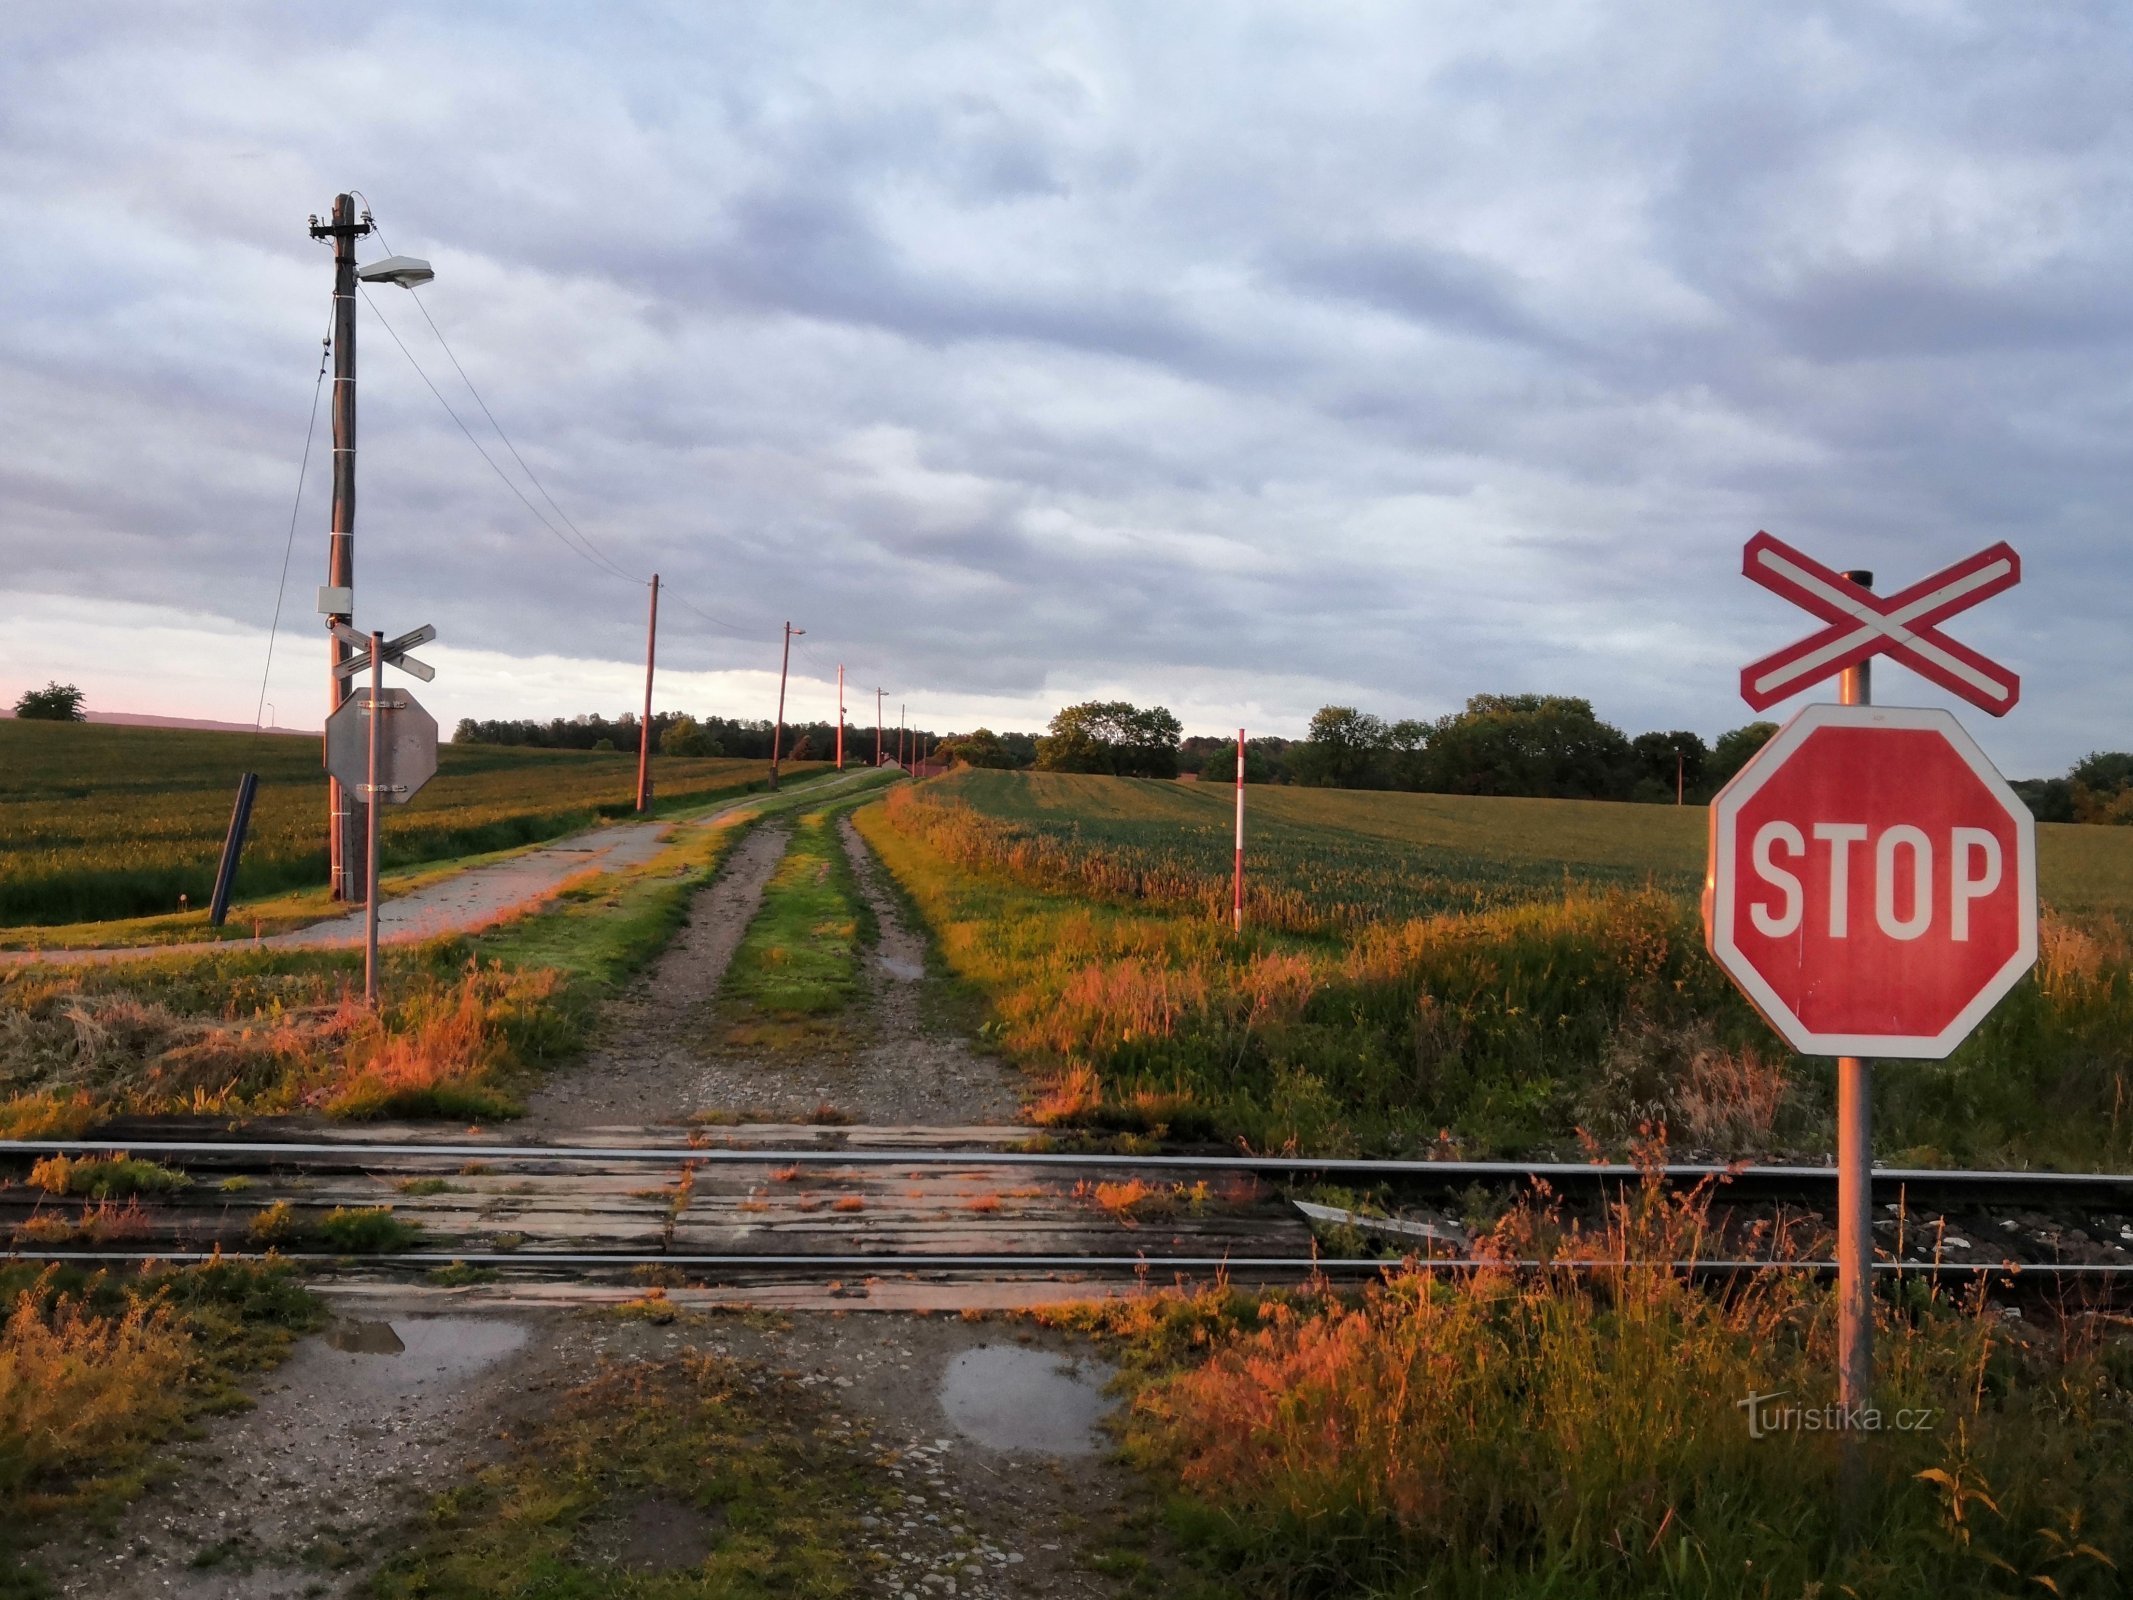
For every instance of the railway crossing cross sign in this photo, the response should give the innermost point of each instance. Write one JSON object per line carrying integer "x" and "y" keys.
{"x": 1872, "y": 885}
{"x": 1862, "y": 624}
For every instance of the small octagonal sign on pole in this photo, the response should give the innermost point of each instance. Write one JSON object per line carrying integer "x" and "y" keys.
{"x": 1872, "y": 884}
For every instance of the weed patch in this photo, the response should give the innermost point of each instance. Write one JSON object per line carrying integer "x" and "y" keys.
{"x": 729, "y": 1454}
{"x": 1514, "y": 1434}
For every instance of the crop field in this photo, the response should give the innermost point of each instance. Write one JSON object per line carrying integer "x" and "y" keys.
{"x": 1425, "y": 972}
{"x": 100, "y": 821}
{"x": 1328, "y": 857}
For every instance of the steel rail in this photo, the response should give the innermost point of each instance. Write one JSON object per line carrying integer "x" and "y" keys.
{"x": 818, "y": 1155}
{"x": 888, "y": 1262}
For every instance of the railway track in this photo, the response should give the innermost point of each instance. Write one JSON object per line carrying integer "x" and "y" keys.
{"x": 798, "y": 1214}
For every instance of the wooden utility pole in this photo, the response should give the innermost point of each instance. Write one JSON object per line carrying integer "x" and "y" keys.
{"x": 902, "y": 758}
{"x": 346, "y": 834}
{"x": 644, "y": 732}
{"x": 840, "y": 716}
{"x": 1237, "y": 881}
{"x": 1681, "y": 767}
{"x": 777, "y": 736}
{"x": 878, "y": 693}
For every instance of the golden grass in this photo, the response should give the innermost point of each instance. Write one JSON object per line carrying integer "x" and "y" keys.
{"x": 78, "y": 1385}
{"x": 1513, "y": 1432}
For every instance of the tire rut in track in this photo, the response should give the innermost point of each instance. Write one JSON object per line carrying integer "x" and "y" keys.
{"x": 649, "y": 1066}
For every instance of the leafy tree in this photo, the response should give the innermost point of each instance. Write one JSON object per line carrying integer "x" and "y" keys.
{"x": 2048, "y": 799}
{"x": 1733, "y": 750}
{"x": 980, "y": 747}
{"x": 682, "y": 737}
{"x": 1528, "y": 744}
{"x": 55, "y": 702}
{"x": 1662, "y": 757}
{"x": 1342, "y": 750}
{"x": 1112, "y": 736}
{"x": 2100, "y": 787}
{"x": 1265, "y": 760}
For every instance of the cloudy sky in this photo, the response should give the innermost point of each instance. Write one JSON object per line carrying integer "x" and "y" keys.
{"x": 1238, "y": 357}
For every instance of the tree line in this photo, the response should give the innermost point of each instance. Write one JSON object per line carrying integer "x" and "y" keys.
{"x": 676, "y": 733}
{"x": 1539, "y": 745}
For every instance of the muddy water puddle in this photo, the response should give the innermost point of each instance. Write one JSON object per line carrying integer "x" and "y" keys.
{"x": 410, "y": 1353}
{"x": 1010, "y": 1398}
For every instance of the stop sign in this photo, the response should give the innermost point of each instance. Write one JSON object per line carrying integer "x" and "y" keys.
{"x": 1872, "y": 883}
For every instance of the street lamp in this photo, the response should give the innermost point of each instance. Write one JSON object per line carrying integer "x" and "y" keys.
{"x": 406, "y": 271}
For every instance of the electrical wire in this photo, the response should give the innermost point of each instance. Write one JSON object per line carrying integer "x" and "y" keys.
{"x": 451, "y": 355}
{"x": 584, "y": 547}
{"x": 717, "y": 622}
{"x": 289, "y": 548}
{"x": 586, "y": 553}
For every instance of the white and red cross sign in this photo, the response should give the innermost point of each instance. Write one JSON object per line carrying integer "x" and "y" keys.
{"x": 1862, "y": 624}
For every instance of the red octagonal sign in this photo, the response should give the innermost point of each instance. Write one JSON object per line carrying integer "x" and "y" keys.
{"x": 1872, "y": 883}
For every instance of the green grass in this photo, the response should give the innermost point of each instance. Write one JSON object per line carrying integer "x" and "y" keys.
{"x": 772, "y": 1495}
{"x": 1328, "y": 857}
{"x": 100, "y": 821}
{"x": 800, "y": 957}
{"x": 1511, "y": 1030}
{"x": 467, "y": 1022}
{"x": 105, "y": 1177}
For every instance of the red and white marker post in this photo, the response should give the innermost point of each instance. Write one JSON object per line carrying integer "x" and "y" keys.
{"x": 1872, "y": 881}
{"x": 1237, "y": 878}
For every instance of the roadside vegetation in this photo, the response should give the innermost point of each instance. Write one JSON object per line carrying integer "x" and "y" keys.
{"x": 1513, "y": 1434}
{"x": 97, "y": 1371}
{"x": 684, "y": 1477}
{"x": 797, "y": 968}
{"x": 1575, "y": 999}
{"x": 101, "y": 821}
{"x": 466, "y": 1020}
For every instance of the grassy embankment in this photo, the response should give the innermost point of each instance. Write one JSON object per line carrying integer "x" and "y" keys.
{"x": 738, "y": 1459}
{"x": 96, "y": 1371}
{"x": 467, "y": 1020}
{"x": 1560, "y": 1434}
{"x": 1560, "y": 984}
{"x": 100, "y": 822}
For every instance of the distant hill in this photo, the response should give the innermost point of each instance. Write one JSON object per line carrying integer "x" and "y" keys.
{"x": 143, "y": 719}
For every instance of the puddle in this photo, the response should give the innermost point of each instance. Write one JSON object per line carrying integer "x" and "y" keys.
{"x": 909, "y": 971}
{"x": 420, "y": 1352}
{"x": 1010, "y": 1397}
{"x": 365, "y": 1338}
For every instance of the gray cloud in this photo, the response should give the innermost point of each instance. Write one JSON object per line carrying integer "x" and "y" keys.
{"x": 1018, "y": 350}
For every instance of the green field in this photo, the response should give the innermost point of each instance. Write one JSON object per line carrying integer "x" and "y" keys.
{"x": 1320, "y": 857}
{"x": 1423, "y": 971}
{"x": 100, "y": 821}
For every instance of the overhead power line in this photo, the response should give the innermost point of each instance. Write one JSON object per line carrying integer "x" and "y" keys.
{"x": 585, "y": 552}
{"x": 288, "y": 548}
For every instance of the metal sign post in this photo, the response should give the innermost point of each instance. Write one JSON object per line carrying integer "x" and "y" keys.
{"x": 1872, "y": 882}
{"x": 370, "y": 795}
{"x": 382, "y": 745}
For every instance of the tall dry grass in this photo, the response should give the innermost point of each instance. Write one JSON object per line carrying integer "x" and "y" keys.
{"x": 1511, "y": 1030}
{"x": 82, "y": 1388}
{"x": 1529, "y": 1432}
